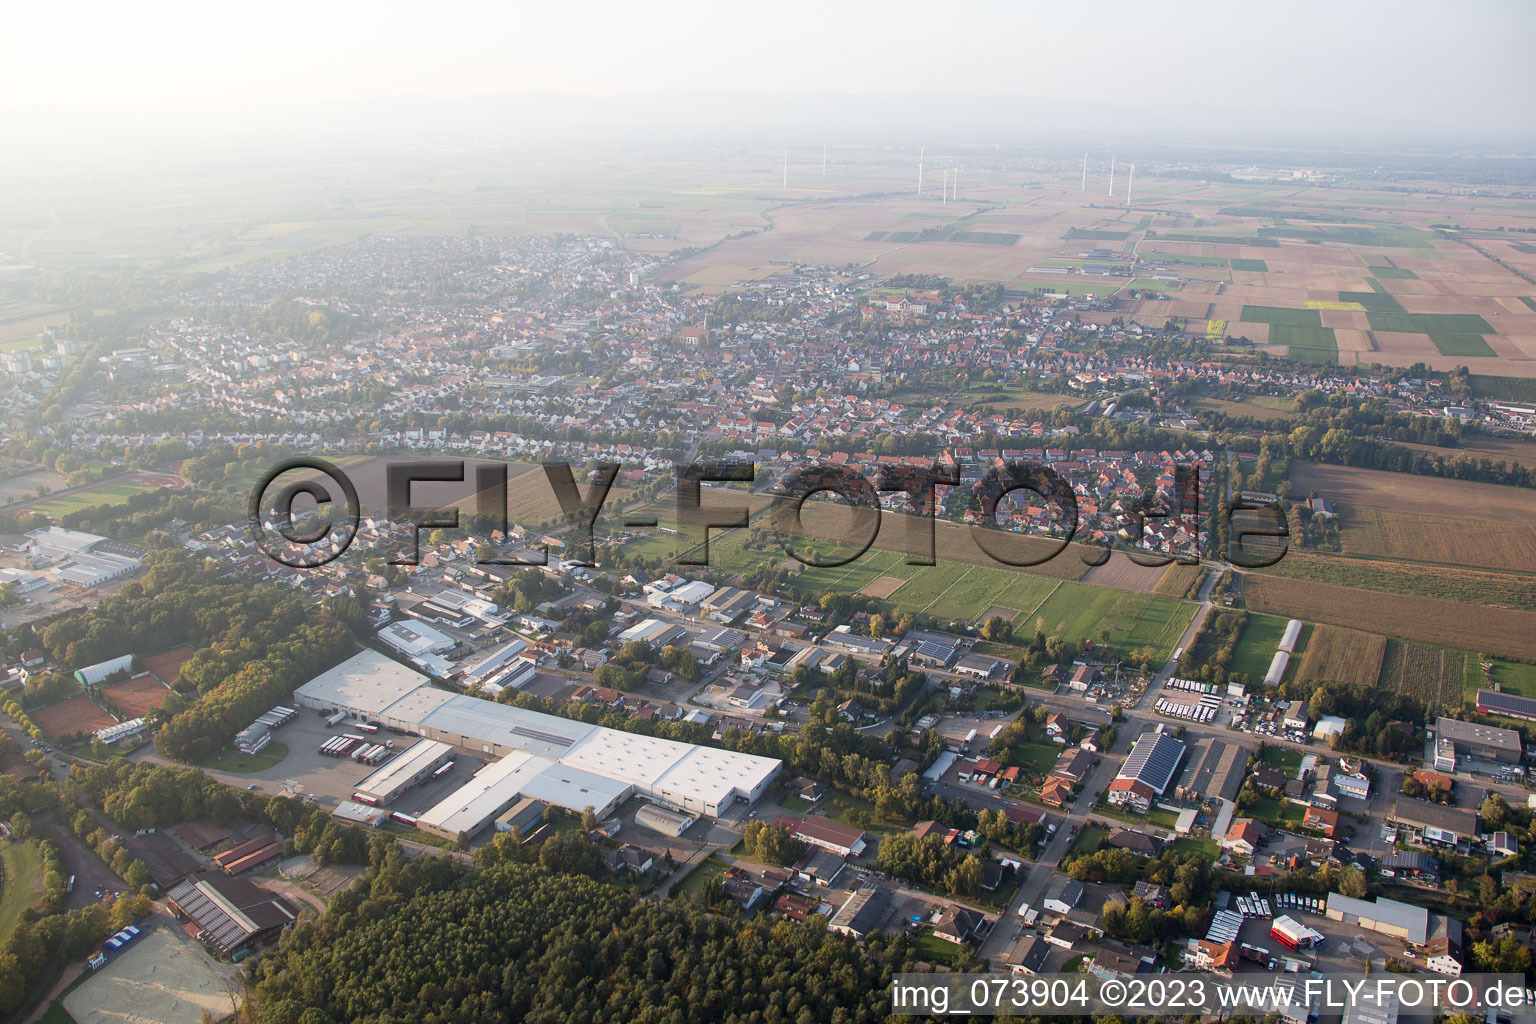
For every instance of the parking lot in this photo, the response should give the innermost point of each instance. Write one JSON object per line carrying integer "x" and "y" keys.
{"x": 305, "y": 772}
{"x": 1346, "y": 948}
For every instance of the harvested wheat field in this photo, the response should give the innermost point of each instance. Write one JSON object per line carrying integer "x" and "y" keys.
{"x": 1335, "y": 654}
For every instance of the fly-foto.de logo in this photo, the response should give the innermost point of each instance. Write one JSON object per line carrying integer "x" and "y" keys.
{"x": 305, "y": 512}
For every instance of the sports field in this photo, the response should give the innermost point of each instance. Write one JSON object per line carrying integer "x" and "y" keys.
{"x": 78, "y": 714}
{"x": 163, "y": 978}
{"x": 91, "y": 497}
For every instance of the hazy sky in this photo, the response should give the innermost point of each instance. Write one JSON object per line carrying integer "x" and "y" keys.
{"x": 1448, "y": 66}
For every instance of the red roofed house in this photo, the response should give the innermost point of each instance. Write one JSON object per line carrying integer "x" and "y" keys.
{"x": 844, "y": 840}
{"x": 1326, "y": 822}
{"x": 1242, "y": 837}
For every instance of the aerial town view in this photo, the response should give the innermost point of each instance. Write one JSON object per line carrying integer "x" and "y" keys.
{"x": 671, "y": 514}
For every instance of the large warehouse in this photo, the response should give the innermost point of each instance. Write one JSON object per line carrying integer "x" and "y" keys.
{"x": 400, "y": 773}
{"x": 578, "y": 765}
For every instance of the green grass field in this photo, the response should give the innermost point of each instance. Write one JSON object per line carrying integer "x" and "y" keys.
{"x": 1258, "y": 266}
{"x": 1087, "y": 841}
{"x": 702, "y": 872}
{"x": 1394, "y": 273}
{"x": 1207, "y": 848}
{"x": 1431, "y": 323}
{"x": 1461, "y": 344}
{"x": 1279, "y": 316}
{"x": 22, "y": 861}
{"x": 1312, "y": 344}
{"x": 1257, "y": 645}
{"x": 1377, "y": 301}
{"x": 1282, "y": 758}
{"x": 1134, "y": 620}
{"x": 1203, "y": 261}
{"x": 934, "y": 949}
{"x": 1268, "y": 809}
{"x": 961, "y": 592}
{"x": 1508, "y": 676}
{"x": 237, "y": 763}
{"x": 1038, "y": 755}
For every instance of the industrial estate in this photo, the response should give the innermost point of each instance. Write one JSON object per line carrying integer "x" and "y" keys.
{"x": 678, "y": 575}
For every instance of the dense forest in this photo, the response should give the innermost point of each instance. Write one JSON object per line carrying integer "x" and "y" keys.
{"x": 423, "y": 940}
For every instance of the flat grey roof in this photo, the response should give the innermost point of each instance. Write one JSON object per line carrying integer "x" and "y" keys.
{"x": 368, "y": 682}
{"x": 400, "y": 771}
{"x": 1457, "y": 731}
{"x": 486, "y": 721}
{"x": 1414, "y": 920}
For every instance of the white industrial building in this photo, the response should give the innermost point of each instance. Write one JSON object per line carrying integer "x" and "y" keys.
{"x": 55, "y": 542}
{"x": 25, "y": 582}
{"x": 93, "y": 570}
{"x": 473, "y": 805}
{"x": 582, "y": 765}
{"x": 74, "y": 557}
{"x": 415, "y": 639}
{"x": 400, "y": 773}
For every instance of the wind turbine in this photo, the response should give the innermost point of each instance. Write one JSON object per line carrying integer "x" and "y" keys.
{"x": 1111, "y": 176}
{"x": 920, "y": 151}
{"x": 1130, "y": 185}
{"x": 1085, "y": 172}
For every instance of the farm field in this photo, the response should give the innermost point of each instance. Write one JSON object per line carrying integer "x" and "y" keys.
{"x": 1499, "y": 631}
{"x": 1495, "y": 449}
{"x": 15, "y": 487}
{"x": 1472, "y": 586}
{"x": 1123, "y": 574}
{"x": 1179, "y": 581}
{"x": 1431, "y": 675}
{"x": 1254, "y": 407}
{"x": 1454, "y": 522}
{"x": 1334, "y": 654}
{"x": 963, "y": 592}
